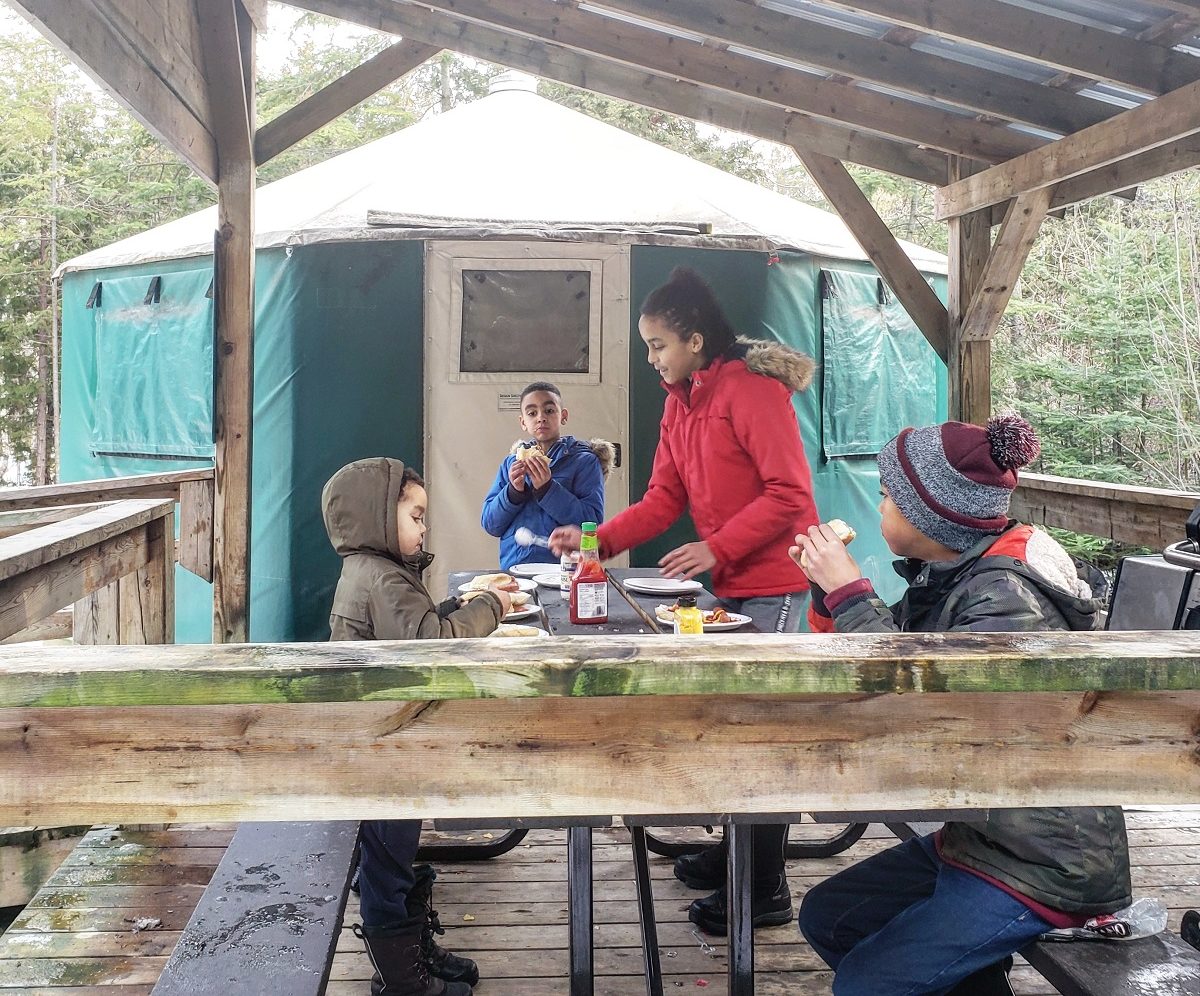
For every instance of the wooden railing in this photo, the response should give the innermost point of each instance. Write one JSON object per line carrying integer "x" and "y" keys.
{"x": 609, "y": 725}
{"x": 192, "y": 489}
{"x": 1151, "y": 517}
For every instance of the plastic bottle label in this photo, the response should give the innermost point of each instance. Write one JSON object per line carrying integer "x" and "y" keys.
{"x": 591, "y": 600}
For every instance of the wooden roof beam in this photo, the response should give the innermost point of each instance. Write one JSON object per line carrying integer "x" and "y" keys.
{"x": 86, "y": 36}
{"x": 883, "y": 61}
{"x": 1122, "y": 177}
{"x": 316, "y": 111}
{"x": 756, "y": 79}
{"x": 877, "y": 241}
{"x": 1056, "y": 41}
{"x": 664, "y": 93}
{"x": 1159, "y": 122}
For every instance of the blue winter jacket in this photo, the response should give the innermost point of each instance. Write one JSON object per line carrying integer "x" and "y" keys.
{"x": 575, "y": 495}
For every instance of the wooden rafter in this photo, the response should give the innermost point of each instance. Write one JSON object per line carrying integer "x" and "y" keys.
{"x": 86, "y": 35}
{"x": 331, "y": 101}
{"x": 886, "y": 61}
{"x": 717, "y": 107}
{"x": 1004, "y": 264}
{"x": 877, "y": 241}
{"x": 679, "y": 58}
{"x": 1054, "y": 41}
{"x": 1162, "y": 121}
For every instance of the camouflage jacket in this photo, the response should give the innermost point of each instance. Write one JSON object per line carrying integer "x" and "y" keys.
{"x": 1070, "y": 859}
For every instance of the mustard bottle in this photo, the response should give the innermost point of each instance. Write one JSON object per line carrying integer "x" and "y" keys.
{"x": 688, "y": 618}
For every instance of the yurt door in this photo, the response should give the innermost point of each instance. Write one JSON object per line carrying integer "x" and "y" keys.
{"x": 500, "y": 315}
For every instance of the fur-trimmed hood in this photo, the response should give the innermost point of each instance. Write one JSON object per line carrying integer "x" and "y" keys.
{"x": 605, "y": 451}
{"x": 789, "y": 366}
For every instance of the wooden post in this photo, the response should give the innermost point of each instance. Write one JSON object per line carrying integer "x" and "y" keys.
{"x": 969, "y": 363}
{"x": 227, "y": 34}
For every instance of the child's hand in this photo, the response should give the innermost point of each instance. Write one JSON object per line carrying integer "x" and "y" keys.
{"x": 565, "y": 539}
{"x": 539, "y": 473}
{"x": 826, "y": 559}
{"x": 505, "y": 601}
{"x": 688, "y": 560}
{"x": 516, "y": 475}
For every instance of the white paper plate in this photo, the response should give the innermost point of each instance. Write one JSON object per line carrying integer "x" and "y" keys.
{"x": 530, "y": 570}
{"x": 661, "y": 586}
{"x": 523, "y": 613}
{"x": 549, "y": 580}
{"x": 524, "y": 584}
{"x": 505, "y": 630}
{"x": 736, "y": 621}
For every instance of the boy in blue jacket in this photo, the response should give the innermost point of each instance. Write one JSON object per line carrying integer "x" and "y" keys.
{"x": 547, "y": 481}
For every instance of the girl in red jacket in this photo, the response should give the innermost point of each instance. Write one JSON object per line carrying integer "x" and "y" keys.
{"x": 729, "y": 451}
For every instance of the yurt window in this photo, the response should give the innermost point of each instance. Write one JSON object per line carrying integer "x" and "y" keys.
{"x": 879, "y": 370}
{"x": 154, "y": 366}
{"x": 520, "y": 320}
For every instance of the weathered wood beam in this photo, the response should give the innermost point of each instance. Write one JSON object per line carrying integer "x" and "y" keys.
{"x": 864, "y": 57}
{"x": 1152, "y": 517}
{"x": 716, "y": 107}
{"x": 102, "y": 489}
{"x": 87, "y": 38}
{"x": 551, "y": 753}
{"x": 1055, "y": 41}
{"x": 877, "y": 241}
{"x": 1161, "y": 121}
{"x": 331, "y": 101}
{"x": 1007, "y": 258}
{"x": 227, "y": 33}
{"x": 647, "y": 49}
{"x": 1124, "y": 176}
{"x": 969, "y": 364}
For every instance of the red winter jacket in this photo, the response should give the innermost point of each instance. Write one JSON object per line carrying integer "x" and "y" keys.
{"x": 730, "y": 452}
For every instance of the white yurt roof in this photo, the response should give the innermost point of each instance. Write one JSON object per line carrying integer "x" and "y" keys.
{"x": 509, "y": 162}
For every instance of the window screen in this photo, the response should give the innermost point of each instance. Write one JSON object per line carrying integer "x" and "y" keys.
{"x": 154, "y": 367}
{"x": 880, "y": 373}
{"x": 517, "y": 321}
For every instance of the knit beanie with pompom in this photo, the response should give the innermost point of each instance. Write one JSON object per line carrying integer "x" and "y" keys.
{"x": 953, "y": 481}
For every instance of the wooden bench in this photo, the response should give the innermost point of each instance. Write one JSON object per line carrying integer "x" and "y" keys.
{"x": 270, "y": 918}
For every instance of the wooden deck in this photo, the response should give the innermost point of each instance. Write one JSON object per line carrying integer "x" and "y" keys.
{"x": 77, "y": 937}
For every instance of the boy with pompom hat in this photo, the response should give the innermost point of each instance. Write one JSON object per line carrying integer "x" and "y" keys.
{"x": 944, "y": 913}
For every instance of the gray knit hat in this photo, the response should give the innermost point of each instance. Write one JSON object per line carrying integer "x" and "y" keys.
{"x": 953, "y": 481}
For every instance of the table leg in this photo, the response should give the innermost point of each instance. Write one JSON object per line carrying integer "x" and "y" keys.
{"x": 579, "y": 909}
{"x": 738, "y": 889}
{"x": 645, "y": 894}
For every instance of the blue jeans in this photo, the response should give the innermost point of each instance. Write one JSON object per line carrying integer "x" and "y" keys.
{"x": 773, "y": 613}
{"x": 904, "y": 923}
{"x": 386, "y": 851}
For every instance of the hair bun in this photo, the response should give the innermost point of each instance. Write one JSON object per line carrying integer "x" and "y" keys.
{"x": 1013, "y": 441}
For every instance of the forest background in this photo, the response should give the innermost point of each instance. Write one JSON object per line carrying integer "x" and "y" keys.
{"x": 1100, "y": 348}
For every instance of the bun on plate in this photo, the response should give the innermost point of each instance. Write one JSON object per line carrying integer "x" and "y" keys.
{"x": 512, "y": 629}
{"x": 842, "y": 530}
{"x": 505, "y": 582}
{"x": 517, "y": 599}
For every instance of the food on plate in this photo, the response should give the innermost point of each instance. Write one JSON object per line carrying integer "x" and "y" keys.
{"x": 530, "y": 453}
{"x": 512, "y": 629}
{"x": 843, "y": 532}
{"x": 712, "y": 617}
{"x": 517, "y": 599}
{"x": 505, "y": 582}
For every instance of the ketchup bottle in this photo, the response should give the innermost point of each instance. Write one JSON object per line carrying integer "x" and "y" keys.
{"x": 589, "y": 586}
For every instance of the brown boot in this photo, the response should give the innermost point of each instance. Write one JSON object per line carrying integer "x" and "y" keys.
{"x": 442, "y": 964}
{"x": 395, "y": 953}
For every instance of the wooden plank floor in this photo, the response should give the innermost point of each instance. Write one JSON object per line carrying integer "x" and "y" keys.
{"x": 77, "y": 939}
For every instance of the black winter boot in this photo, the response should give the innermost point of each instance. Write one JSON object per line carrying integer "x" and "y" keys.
{"x": 442, "y": 964}
{"x": 704, "y": 870}
{"x": 770, "y": 906}
{"x": 395, "y": 953}
{"x": 990, "y": 981}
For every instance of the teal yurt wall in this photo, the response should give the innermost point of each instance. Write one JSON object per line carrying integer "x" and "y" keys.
{"x": 875, "y": 374}
{"x": 337, "y": 377}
